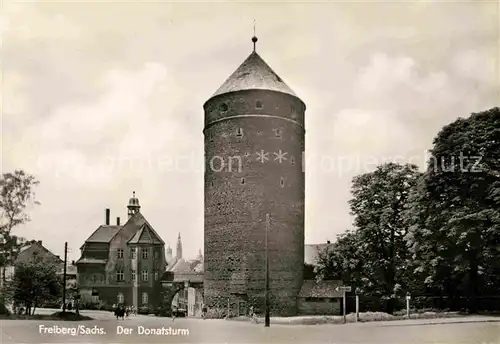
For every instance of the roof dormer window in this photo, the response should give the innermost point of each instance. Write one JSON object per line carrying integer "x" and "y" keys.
{"x": 239, "y": 133}
{"x": 259, "y": 105}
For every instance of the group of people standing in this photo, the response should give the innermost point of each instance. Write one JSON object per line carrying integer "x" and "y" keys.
{"x": 122, "y": 311}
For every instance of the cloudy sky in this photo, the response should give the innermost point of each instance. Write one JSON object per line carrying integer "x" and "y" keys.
{"x": 101, "y": 99}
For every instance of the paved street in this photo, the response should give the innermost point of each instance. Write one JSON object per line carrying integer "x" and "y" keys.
{"x": 454, "y": 331}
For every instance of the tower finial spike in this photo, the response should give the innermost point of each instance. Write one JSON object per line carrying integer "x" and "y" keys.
{"x": 254, "y": 38}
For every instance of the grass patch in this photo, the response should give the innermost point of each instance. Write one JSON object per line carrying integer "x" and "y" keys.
{"x": 66, "y": 316}
{"x": 350, "y": 318}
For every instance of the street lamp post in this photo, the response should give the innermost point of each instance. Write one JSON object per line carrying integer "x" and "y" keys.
{"x": 267, "y": 321}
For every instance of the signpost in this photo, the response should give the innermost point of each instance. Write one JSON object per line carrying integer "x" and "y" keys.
{"x": 343, "y": 289}
{"x": 357, "y": 304}
{"x": 408, "y": 298}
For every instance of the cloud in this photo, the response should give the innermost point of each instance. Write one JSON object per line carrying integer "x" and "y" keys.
{"x": 78, "y": 140}
{"x": 481, "y": 65}
{"x": 26, "y": 22}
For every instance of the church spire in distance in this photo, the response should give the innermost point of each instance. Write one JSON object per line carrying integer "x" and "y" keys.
{"x": 179, "y": 247}
{"x": 254, "y": 38}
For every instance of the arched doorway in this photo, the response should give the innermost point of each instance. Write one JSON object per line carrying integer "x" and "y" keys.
{"x": 188, "y": 300}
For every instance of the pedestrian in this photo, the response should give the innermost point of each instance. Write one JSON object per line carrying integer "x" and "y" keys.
{"x": 204, "y": 312}
{"x": 252, "y": 314}
{"x": 174, "y": 313}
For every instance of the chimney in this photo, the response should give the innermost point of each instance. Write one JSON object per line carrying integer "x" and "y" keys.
{"x": 117, "y": 221}
{"x": 108, "y": 214}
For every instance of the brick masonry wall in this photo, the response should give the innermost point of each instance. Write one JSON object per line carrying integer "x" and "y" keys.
{"x": 240, "y": 190}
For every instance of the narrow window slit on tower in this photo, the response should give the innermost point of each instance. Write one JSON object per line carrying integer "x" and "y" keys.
{"x": 292, "y": 160}
{"x": 282, "y": 182}
{"x": 239, "y": 133}
{"x": 258, "y": 104}
{"x": 242, "y": 181}
{"x": 212, "y": 184}
{"x": 277, "y": 132}
{"x": 224, "y": 107}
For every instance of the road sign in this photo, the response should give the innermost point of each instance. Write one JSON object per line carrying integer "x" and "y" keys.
{"x": 343, "y": 289}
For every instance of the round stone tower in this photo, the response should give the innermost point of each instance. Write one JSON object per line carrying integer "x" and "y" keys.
{"x": 254, "y": 144}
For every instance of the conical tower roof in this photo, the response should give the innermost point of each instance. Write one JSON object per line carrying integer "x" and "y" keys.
{"x": 254, "y": 74}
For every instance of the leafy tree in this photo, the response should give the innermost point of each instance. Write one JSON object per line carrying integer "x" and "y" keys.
{"x": 380, "y": 199}
{"x": 343, "y": 261}
{"x": 16, "y": 194}
{"x": 35, "y": 282}
{"x": 455, "y": 213}
{"x": 374, "y": 256}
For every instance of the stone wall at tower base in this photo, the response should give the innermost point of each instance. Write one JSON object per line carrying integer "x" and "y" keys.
{"x": 240, "y": 303}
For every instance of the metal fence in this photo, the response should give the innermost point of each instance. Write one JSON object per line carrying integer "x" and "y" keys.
{"x": 489, "y": 303}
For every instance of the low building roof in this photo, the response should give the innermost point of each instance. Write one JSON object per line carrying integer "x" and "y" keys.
{"x": 70, "y": 270}
{"x": 35, "y": 248}
{"x": 320, "y": 289}
{"x": 91, "y": 261}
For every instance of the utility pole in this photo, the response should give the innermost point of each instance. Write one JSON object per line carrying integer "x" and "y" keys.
{"x": 64, "y": 275}
{"x": 267, "y": 317}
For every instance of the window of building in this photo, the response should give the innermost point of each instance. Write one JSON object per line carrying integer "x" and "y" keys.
{"x": 145, "y": 275}
{"x": 258, "y": 104}
{"x": 119, "y": 253}
{"x": 132, "y": 253}
{"x": 292, "y": 160}
{"x": 120, "y": 276}
{"x": 120, "y": 298}
{"x": 212, "y": 184}
{"x": 156, "y": 275}
{"x": 144, "y": 298}
{"x": 144, "y": 253}
{"x": 132, "y": 275}
{"x": 242, "y": 181}
{"x": 224, "y": 107}
{"x": 239, "y": 133}
{"x": 282, "y": 182}
{"x": 292, "y": 109}
{"x": 277, "y": 133}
